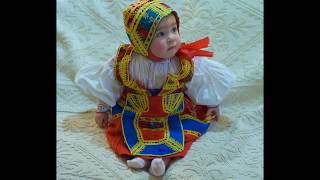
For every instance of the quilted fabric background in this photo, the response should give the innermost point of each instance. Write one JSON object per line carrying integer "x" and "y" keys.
{"x": 89, "y": 31}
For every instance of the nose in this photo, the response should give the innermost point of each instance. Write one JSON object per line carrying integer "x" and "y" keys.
{"x": 170, "y": 38}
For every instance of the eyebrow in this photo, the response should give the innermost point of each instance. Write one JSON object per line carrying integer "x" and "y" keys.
{"x": 167, "y": 26}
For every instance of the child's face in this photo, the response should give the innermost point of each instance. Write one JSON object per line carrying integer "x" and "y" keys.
{"x": 166, "y": 41}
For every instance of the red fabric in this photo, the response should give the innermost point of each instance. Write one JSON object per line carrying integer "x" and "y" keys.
{"x": 155, "y": 107}
{"x": 188, "y": 50}
{"x": 193, "y": 49}
{"x": 115, "y": 138}
{"x": 153, "y": 57}
{"x": 117, "y": 142}
{"x": 148, "y": 134}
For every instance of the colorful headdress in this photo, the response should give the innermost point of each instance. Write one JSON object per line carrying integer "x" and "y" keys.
{"x": 141, "y": 20}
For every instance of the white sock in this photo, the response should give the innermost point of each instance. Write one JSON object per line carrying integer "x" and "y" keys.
{"x": 136, "y": 162}
{"x": 157, "y": 167}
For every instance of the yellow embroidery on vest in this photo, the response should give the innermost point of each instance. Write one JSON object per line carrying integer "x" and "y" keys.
{"x": 137, "y": 103}
{"x": 186, "y": 68}
{"x": 173, "y": 80}
{"x": 172, "y": 103}
{"x": 124, "y": 74}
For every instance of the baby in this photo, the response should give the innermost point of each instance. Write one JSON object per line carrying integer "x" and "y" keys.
{"x": 157, "y": 95}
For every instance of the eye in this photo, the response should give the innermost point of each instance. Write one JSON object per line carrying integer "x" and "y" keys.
{"x": 160, "y": 34}
{"x": 174, "y": 29}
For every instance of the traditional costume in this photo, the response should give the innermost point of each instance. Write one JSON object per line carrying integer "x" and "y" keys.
{"x": 158, "y": 106}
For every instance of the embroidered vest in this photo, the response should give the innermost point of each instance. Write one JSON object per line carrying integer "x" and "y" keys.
{"x": 151, "y": 124}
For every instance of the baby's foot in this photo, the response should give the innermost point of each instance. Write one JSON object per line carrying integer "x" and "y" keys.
{"x": 136, "y": 163}
{"x": 157, "y": 167}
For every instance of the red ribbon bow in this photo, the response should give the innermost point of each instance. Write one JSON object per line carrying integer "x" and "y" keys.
{"x": 194, "y": 49}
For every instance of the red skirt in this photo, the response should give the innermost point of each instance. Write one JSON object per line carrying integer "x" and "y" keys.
{"x": 117, "y": 142}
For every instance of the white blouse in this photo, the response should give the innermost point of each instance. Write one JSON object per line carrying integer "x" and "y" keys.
{"x": 210, "y": 83}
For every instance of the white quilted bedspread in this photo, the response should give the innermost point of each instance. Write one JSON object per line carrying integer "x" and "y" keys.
{"x": 89, "y": 31}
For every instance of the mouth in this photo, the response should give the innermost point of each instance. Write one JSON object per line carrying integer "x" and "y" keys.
{"x": 171, "y": 48}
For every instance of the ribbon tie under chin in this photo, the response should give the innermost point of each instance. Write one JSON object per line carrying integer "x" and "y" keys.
{"x": 194, "y": 49}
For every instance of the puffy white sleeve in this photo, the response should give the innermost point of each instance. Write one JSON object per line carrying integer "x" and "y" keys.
{"x": 99, "y": 81}
{"x": 210, "y": 83}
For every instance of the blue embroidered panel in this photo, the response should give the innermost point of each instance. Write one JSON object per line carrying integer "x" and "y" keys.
{"x": 181, "y": 107}
{"x": 160, "y": 149}
{"x": 193, "y": 125}
{"x": 175, "y": 128}
{"x": 129, "y": 129}
{"x": 116, "y": 109}
{"x": 148, "y": 19}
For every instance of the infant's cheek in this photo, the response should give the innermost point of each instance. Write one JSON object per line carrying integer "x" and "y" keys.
{"x": 159, "y": 46}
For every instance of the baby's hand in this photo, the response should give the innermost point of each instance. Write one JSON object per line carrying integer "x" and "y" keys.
{"x": 213, "y": 113}
{"x": 102, "y": 118}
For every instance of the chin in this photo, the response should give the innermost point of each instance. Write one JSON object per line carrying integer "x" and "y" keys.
{"x": 171, "y": 54}
{"x": 168, "y": 54}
